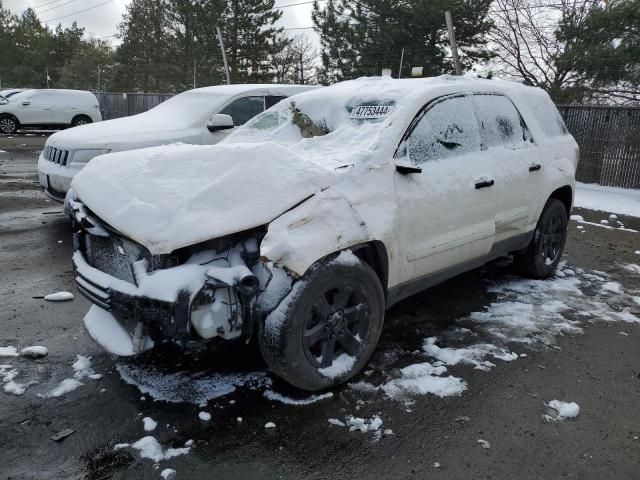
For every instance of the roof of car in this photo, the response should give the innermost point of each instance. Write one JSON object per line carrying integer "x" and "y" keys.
{"x": 237, "y": 89}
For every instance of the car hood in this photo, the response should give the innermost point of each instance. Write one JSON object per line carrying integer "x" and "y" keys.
{"x": 170, "y": 197}
{"x": 120, "y": 134}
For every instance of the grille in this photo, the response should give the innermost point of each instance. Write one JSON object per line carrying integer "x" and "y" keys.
{"x": 108, "y": 255}
{"x": 56, "y": 155}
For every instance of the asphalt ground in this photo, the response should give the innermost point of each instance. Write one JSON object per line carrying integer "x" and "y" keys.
{"x": 433, "y": 437}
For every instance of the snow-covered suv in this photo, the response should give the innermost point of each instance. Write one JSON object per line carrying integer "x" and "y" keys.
{"x": 303, "y": 226}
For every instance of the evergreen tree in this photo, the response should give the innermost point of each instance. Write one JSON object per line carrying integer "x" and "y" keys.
{"x": 88, "y": 67}
{"x": 251, "y": 39}
{"x": 361, "y": 37}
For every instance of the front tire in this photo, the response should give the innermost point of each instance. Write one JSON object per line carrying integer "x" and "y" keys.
{"x": 545, "y": 250}
{"x": 9, "y": 124}
{"x": 326, "y": 329}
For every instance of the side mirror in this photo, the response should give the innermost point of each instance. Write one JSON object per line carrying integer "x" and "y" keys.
{"x": 26, "y": 102}
{"x": 220, "y": 121}
{"x": 406, "y": 168}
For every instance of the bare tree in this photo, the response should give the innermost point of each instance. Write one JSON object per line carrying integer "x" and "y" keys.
{"x": 528, "y": 47}
{"x": 297, "y": 62}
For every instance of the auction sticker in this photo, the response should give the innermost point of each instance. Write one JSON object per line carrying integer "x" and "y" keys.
{"x": 365, "y": 112}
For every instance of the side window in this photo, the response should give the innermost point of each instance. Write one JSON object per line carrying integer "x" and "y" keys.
{"x": 244, "y": 109}
{"x": 40, "y": 98}
{"x": 447, "y": 129}
{"x": 500, "y": 123}
{"x": 271, "y": 100}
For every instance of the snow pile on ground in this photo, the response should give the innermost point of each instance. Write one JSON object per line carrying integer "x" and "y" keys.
{"x": 168, "y": 474}
{"x": 632, "y": 268}
{"x": 473, "y": 355}
{"x": 35, "y": 351}
{"x": 149, "y": 424}
{"x": 269, "y": 425}
{"x": 11, "y": 387}
{"x": 149, "y": 447}
{"x": 278, "y": 397}
{"x": 558, "y": 410}
{"x": 617, "y": 225}
{"x": 339, "y": 366}
{"x": 204, "y": 416}
{"x": 609, "y": 199}
{"x": 8, "y": 351}
{"x": 422, "y": 379}
{"x": 82, "y": 369}
{"x": 188, "y": 387}
{"x": 59, "y": 297}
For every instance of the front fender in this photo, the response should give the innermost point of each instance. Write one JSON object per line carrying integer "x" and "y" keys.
{"x": 324, "y": 224}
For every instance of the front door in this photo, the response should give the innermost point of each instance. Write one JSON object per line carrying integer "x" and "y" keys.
{"x": 36, "y": 109}
{"x": 446, "y": 212}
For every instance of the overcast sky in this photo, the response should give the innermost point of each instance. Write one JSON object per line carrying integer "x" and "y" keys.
{"x": 103, "y": 20}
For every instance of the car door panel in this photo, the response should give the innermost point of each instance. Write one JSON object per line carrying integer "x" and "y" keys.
{"x": 35, "y": 110}
{"x": 505, "y": 137}
{"x": 446, "y": 212}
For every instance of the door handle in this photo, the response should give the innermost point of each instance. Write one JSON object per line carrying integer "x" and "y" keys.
{"x": 534, "y": 167}
{"x": 484, "y": 184}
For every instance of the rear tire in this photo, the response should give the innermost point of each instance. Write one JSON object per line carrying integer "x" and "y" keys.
{"x": 545, "y": 249}
{"x": 336, "y": 309}
{"x": 9, "y": 124}
{"x": 81, "y": 120}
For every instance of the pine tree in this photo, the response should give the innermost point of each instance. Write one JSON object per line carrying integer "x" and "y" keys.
{"x": 361, "y": 37}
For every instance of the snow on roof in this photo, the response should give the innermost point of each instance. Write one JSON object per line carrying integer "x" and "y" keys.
{"x": 237, "y": 89}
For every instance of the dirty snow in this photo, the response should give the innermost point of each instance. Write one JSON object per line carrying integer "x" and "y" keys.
{"x": 82, "y": 369}
{"x": 149, "y": 424}
{"x": 109, "y": 333}
{"x": 8, "y": 351}
{"x": 188, "y": 387}
{"x": 336, "y": 422}
{"x": 609, "y": 199}
{"x": 204, "y": 416}
{"x": 59, "y": 296}
{"x": 168, "y": 474}
{"x": 632, "y": 268}
{"x": 11, "y": 387}
{"x": 149, "y": 447}
{"x": 558, "y": 410}
{"x": 269, "y": 425}
{"x": 35, "y": 351}
{"x": 339, "y": 366}
{"x": 278, "y": 397}
{"x": 473, "y": 355}
{"x": 483, "y": 443}
{"x": 346, "y": 257}
{"x": 422, "y": 379}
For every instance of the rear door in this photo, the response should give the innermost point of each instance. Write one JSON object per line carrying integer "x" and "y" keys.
{"x": 505, "y": 137}
{"x": 446, "y": 212}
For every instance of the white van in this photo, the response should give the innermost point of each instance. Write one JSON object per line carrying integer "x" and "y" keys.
{"x": 200, "y": 116}
{"x": 50, "y": 108}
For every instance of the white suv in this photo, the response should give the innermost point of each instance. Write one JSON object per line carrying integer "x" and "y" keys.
{"x": 309, "y": 222}
{"x": 50, "y": 108}
{"x": 200, "y": 116}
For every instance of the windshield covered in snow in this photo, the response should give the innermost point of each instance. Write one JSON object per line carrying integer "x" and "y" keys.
{"x": 321, "y": 126}
{"x": 187, "y": 109}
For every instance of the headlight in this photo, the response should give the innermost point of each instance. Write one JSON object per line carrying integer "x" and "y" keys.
{"x": 83, "y": 156}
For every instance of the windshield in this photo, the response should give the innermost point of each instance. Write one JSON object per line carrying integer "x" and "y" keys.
{"x": 321, "y": 126}
{"x": 187, "y": 109}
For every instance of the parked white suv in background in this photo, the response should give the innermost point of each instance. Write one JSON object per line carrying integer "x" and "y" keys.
{"x": 50, "y": 108}
{"x": 311, "y": 220}
{"x": 200, "y": 116}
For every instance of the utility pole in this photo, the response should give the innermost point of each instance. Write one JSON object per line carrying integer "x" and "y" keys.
{"x": 452, "y": 41}
{"x": 194, "y": 73}
{"x": 301, "y": 69}
{"x": 401, "y": 61}
{"x": 99, "y": 80}
{"x": 46, "y": 69}
{"x": 224, "y": 56}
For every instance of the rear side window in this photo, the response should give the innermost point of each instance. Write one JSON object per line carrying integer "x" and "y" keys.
{"x": 500, "y": 123}
{"x": 244, "y": 109}
{"x": 447, "y": 129}
{"x": 547, "y": 115}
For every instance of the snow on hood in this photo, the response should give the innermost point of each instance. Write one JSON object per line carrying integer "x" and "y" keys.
{"x": 178, "y": 195}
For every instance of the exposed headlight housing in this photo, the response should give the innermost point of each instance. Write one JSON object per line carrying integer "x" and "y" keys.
{"x": 84, "y": 155}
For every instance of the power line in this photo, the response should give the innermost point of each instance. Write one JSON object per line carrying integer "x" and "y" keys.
{"x": 57, "y": 6}
{"x": 76, "y": 13}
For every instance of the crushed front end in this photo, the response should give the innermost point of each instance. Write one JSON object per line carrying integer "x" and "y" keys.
{"x": 217, "y": 289}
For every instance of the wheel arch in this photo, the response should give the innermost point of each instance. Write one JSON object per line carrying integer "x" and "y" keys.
{"x": 79, "y": 116}
{"x": 565, "y": 195}
{"x": 374, "y": 254}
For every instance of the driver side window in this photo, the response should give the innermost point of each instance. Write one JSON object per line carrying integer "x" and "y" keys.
{"x": 447, "y": 129}
{"x": 244, "y": 109}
